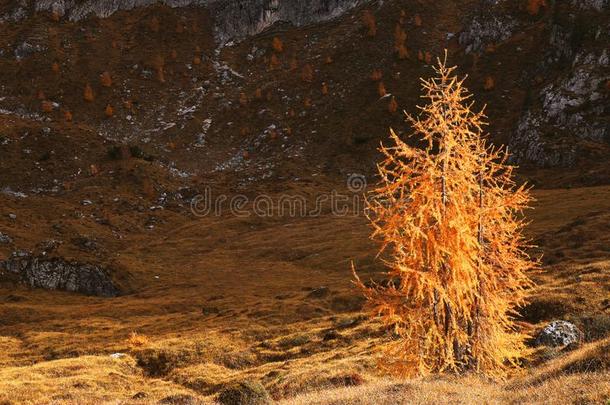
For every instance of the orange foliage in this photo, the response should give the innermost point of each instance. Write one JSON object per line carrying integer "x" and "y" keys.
{"x": 328, "y": 60}
{"x": 381, "y": 89}
{"x": 109, "y": 111}
{"x": 243, "y": 99}
{"x": 93, "y": 170}
{"x": 47, "y": 106}
{"x": 55, "y": 67}
{"x": 278, "y": 45}
{"x": 307, "y": 102}
{"x": 136, "y": 340}
{"x": 393, "y": 105}
{"x": 418, "y": 20}
{"x": 368, "y": 19}
{"x": 324, "y": 88}
{"x": 490, "y": 83}
{"x": 376, "y": 75}
{"x": 428, "y": 57}
{"x": 402, "y": 52}
{"x": 88, "y": 93}
{"x": 307, "y": 73}
{"x": 105, "y": 79}
{"x": 161, "y": 74}
{"x": 196, "y": 60}
{"x": 258, "y": 94}
{"x": 533, "y": 6}
{"x": 68, "y": 116}
{"x": 449, "y": 219}
{"x": 274, "y": 63}
{"x": 402, "y": 18}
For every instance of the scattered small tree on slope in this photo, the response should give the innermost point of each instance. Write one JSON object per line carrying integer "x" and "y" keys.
{"x": 450, "y": 216}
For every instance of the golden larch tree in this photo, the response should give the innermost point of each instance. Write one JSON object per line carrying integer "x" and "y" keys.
{"x": 449, "y": 217}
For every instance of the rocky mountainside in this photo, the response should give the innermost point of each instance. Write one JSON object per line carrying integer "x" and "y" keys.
{"x": 157, "y": 100}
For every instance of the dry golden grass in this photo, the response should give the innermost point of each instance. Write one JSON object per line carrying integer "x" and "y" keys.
{"x": 235, "y": 300}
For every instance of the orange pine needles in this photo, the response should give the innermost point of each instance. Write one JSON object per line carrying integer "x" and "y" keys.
{"x": 106, "y": 79}
{"x": 417, "y": 20}
{"x": 368, "y": 19}
{"x": 533, "y": 6}
{"x": 449, "y": 217}
{"x": 307, "y": 73}
{"x": 278, "y": 45}
{"x": 88, "y": 93}
{"x": 109, "y": 111}
{"x": 381, "y": 89}
{"x": 376, "y": 75}
{"x": 393, "y": 106}
{"x": 400, "y": 38}
{"x": 490, "y": 83}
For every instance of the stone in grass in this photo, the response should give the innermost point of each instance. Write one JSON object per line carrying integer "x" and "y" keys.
{"x": 244, "y": 393}
{"x": 559, "y": 333}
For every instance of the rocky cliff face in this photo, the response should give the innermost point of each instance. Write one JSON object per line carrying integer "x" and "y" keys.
{"x": 57, "y": 274}
{"x": 567, "y": 82}
{"x": 234, "y": 18}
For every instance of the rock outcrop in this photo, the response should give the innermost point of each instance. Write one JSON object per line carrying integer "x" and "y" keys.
{"x": 235, "y": 19}
{"x": 559, "y": 333}
{"x": 58, "y": 274}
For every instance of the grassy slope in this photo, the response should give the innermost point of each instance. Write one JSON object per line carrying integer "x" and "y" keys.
{"x": 223, "y": 298}
{"x": 231, "y": 302}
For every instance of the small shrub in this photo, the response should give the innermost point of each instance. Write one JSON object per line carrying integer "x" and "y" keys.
{"x": 393, "y": 106}
{"x": 109, "y": 111}
{"x": 55, "y": 67}
{"x": 88, "y": 93}
{"x": 368, "y": 19}
{"x": 278, "y": 45}
{"x": 196, "y": 60}
{"x": 534, "y": 6}
{"x": 244, "y": 393}
{"x": 106, "y": 79}
{"x": 258, "y": 94}
{"x": 274, "y": 62}
{"x": 324, "y": 89}
{"x": 137, "y": 340}
{"x": 381, "y": 89}
{"x": 47, "y": 106}
{"x": 68, "y": 116}
{"x": 428, "y": 57}
{"x": 417, "y": 20}
{"x": 307, "y": 73}
{"x": 489, "y": 84}
{"x": 328, "y": 60}
{"x": 376, "y": 75}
